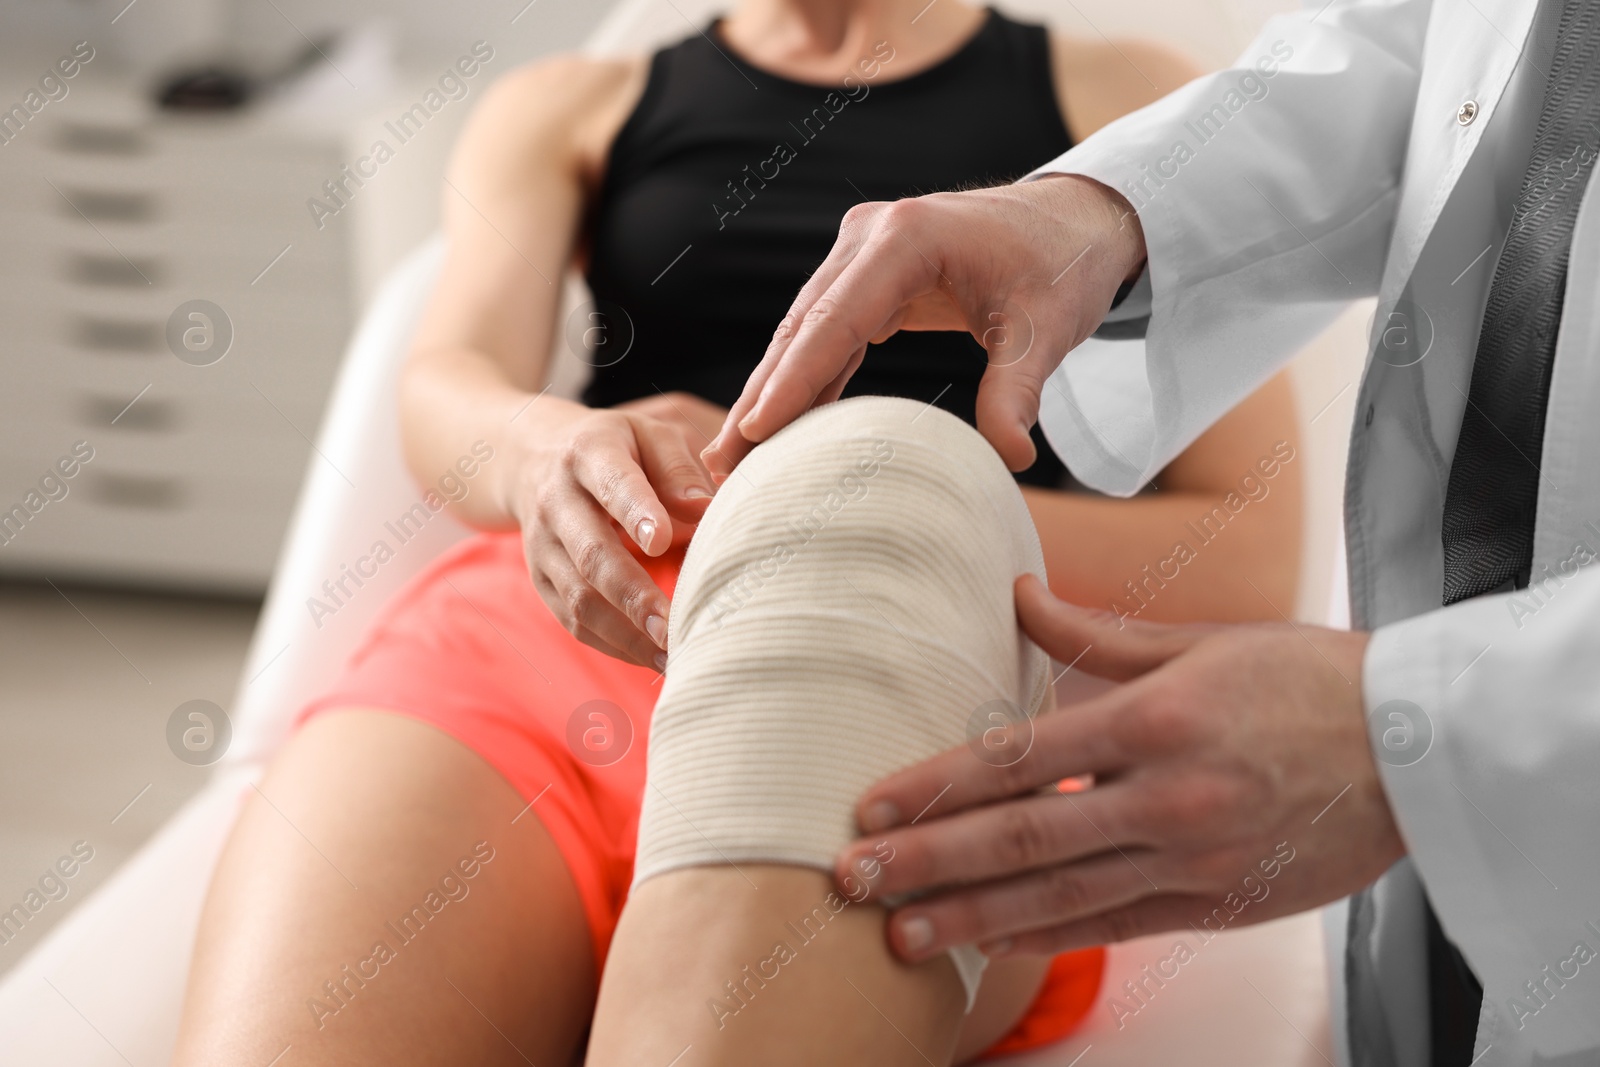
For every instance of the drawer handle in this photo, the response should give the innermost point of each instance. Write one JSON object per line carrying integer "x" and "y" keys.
{"x": 112, "y": 270}
{"x": 100, "y": 140}
{"x": 147, "y": 416}
{"x": 147, "y": 492}
{"x": 116, "y": 335}
{"x": 99, "y": 205}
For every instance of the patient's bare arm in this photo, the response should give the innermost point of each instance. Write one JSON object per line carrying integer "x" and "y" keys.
{"x": 578, "y": 482}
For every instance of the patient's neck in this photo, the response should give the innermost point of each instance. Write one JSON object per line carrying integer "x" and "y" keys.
{"x": 823, "y": 40}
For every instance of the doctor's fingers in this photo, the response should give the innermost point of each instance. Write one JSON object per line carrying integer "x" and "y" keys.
{"x": 1098, "y": 642}
{"x": 1153, "y": 914}
{"x": 856, "y": 296}
{"x": 1003, "y": 840}
{"x": 835, "y": 388}
{"x": 1020, "y": 906}
{"x": 1103, "y": 736}
{"x": 1025, "y": 336}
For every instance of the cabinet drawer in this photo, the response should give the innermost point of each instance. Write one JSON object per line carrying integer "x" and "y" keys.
{"x": 115, "y": 527}
{"x": 131, "y": 330}
{"x": 171, "y": 258}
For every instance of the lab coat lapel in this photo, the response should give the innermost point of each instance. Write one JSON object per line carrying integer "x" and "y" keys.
{"x": 1394, "y": 504}
{"x": 1471, "y": 50}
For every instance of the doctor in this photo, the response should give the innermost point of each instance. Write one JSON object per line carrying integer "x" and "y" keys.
{"x": 1439, "y": 766}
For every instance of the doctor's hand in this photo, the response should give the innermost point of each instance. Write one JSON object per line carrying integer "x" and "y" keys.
{"x": 1233, "y": 783}
{"x": 1028, "y": 269}
{"x": 588, "y": 477}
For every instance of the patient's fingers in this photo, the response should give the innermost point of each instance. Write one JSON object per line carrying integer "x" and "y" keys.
{"x": 553, "y": 599}
{"x": 679, "y": 479}
{"x": 601, "y": 587}
{"x": 612, "y": 475}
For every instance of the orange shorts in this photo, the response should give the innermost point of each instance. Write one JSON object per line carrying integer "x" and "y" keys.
{"x": 469, "y": 648}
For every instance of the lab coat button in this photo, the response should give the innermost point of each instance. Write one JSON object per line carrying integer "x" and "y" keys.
{"x": 1467, "y": 112}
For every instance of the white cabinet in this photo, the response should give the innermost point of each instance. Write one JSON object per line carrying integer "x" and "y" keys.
{"x": 112, "y": 216}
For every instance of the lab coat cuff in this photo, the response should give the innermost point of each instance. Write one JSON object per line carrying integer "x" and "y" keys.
{"x": 1129, "y": 317}
{"x": 1098, "y": 410}
{"x": 1419, "y": 693}
{"x": 1110, "y": 161}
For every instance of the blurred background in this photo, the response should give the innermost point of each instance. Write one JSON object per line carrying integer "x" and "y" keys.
{"x": 185, "y": 257}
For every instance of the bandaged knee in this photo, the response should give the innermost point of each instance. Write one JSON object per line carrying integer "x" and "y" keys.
{"x": 845, "y": 610}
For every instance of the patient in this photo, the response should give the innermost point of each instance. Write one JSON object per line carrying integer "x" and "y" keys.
{"x": 434, "y": 867}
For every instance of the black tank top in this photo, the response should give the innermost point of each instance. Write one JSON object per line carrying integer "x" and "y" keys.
{"x": 726, "y": 186}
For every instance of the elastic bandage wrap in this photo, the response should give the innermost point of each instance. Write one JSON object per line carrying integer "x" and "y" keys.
{"x": 845, "y": 610}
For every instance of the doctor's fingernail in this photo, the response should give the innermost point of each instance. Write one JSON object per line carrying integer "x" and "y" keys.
{"x": 696, "y": 492}
{"x": 879, "y": 815}
{"x": 916, "y": 933}
{"x": 661, "y": 663}
{"x": 868, "y": 867}
{"x": 644, "y": 532}
{"x": 656, "y": 627}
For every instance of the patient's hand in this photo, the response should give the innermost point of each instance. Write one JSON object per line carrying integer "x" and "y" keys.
{"x": 635, "y": 466}
{"x": 698, "y": 419}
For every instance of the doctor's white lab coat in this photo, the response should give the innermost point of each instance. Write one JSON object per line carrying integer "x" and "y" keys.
{"x": 1377, "y": 147}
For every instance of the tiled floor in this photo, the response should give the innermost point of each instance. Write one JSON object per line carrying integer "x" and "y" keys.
{"x": 88, "y": 679}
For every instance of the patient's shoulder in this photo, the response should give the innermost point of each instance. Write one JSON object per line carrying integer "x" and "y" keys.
{"x": 1098, "y": 80}
{"x": 568, "y": 106}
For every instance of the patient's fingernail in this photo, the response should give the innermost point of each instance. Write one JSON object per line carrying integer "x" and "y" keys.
{"x": 644, "y": 532}
{"x": 916, "y": 933}
{"x": 880, "y": 815}
{"x": 716, "y": 463}
{"x": 656, "y": 627}
{"x": 696, "y": 492}
{"x": 661, "y": 663}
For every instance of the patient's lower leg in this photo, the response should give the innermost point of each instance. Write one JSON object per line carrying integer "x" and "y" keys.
{"x": 767, "y": 964}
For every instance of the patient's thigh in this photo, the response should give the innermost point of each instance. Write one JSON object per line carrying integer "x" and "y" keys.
{"x": 761, "y": 964}
{"x": 356, "y": 823}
